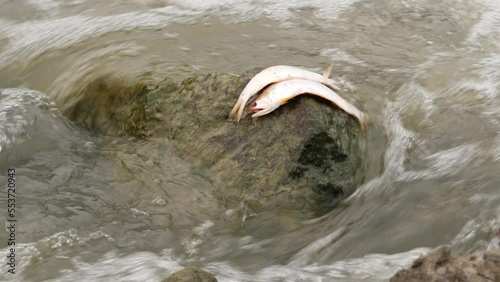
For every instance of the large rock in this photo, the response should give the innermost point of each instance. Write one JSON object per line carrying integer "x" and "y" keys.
{"x": 308, "y": 148}
{"x": 191, "y": 274}
{"x": 440, "y": 266}
{"x": 110, "y": 106}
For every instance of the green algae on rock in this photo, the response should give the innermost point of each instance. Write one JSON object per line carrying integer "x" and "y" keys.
{"x": 111, "y": 106}
{"x": 307, "y": 148}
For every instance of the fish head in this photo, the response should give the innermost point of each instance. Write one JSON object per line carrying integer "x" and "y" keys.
{"x": 262, "y": 106}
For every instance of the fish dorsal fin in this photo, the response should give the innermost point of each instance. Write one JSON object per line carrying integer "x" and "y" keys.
{"x": 328, "y": 70}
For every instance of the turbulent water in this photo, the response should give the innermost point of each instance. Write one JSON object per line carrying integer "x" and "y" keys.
{"x": 116, "y": 209}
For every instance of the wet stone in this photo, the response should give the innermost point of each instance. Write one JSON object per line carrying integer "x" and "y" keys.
{"x": 307, "y": 147}
{"x": 441, "y": 265}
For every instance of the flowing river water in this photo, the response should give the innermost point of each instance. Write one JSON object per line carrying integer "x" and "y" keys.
{"x": 93, "y": 208}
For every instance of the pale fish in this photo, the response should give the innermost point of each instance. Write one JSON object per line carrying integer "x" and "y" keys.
{"x": 277, "y": 74}
{"x": 281, "y": 92}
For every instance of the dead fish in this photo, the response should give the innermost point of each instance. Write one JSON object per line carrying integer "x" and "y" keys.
{"x": 281, "y": 92}
{"x": 277, "y": 74}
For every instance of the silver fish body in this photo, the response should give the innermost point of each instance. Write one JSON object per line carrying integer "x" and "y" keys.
{"x": 279, "y": 93}
{"x": 276, "y": 74}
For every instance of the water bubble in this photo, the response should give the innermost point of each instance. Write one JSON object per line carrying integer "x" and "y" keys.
{"x": 63, "y": 240}
{"x": 203, "y": 228}
{"x": 150, "y": 163}
{"x": 139, "y": 212}
{"x": 81, "y": 243}
{"x": 94, "y": 236}
{"x": 170, "y": 35}
{"x": 230, "y": 213}
{"x": 111, "y": 240}
{"x": 158, "y": 201}
{"x": 56, "y": 246}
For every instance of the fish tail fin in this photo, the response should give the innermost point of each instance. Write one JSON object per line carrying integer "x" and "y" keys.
{"x": 364, "y": 120}
{"x": 240, "y": 112}
{"x": 235, "y": 108}
{"x": 326, "y": 73}
{"x": 328, "y": 70}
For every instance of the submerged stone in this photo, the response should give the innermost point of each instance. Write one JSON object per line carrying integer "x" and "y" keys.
{"x": 191, "y": 274}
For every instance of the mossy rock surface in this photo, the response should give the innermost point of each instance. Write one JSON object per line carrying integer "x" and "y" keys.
{"x": 307, "y": 148}
{"x": 111, "y": 106}
{"x": 191, "y": 274}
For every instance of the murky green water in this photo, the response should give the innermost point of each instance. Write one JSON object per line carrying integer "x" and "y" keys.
{"x": 95, "y": 208}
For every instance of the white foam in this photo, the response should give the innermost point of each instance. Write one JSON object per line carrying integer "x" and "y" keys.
{"x": 445, "y": 163}
{"x": 306, "y": 255}
{"x": 46, "y": 248}
{"x": 203, "y": 228}
{"x": 342, "y": 56}
{"x": 488, "y": 25}
{"x": 147, "y": 266}
{"x": 48, "y": 6}
{"x": 28, "y": 40}
{"x": 481, "y": 232}
{"x": 237, "y": 10}
{"x": 484, "y": 82}
{"x": 14, "y": 104}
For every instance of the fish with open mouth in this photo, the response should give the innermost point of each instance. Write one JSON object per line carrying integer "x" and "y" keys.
{"x": 277, "y": 74}
{"x": 280, "y": 93}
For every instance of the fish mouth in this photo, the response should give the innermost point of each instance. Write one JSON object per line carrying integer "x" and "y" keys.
{"x": 254, "y": 109}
